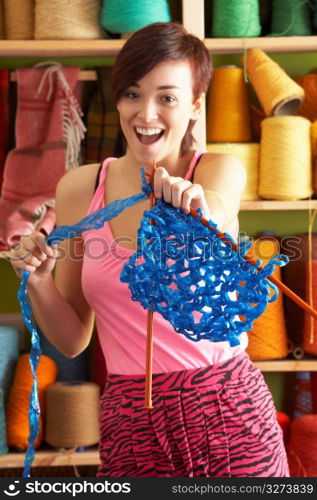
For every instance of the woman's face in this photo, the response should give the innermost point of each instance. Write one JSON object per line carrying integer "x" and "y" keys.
{"x": 155, "y": 112}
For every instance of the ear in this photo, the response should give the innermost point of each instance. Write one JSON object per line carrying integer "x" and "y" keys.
{"x": 198, "y": 106}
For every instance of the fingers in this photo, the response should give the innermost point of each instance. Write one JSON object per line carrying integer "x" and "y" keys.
{"x": 31, "y": 252}
{"x": 179, "y": 192}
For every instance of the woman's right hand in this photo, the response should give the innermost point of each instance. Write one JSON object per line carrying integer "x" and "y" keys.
{"x": 34, "y": 255}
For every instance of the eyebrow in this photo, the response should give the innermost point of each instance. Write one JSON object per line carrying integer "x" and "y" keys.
{"x": 161, "y": 87}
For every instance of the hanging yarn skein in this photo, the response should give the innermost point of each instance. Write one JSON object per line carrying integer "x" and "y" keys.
{"x": 249, "y": 155}
{"x": 277, "y": 92}
{"x": 65, "y": 20}
{"x": 72, "y": 414}
{"x": 19, "y": 19}
{"x": 285, "y": 158}
{"x": 236, "y": 18}
{"x": 291, "y": 18}
{"x": 127, "y": 16}
{"x": 228, "y": 107}
{"x": 268, "y": 338}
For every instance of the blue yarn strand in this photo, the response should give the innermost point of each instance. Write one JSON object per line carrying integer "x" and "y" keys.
{"x": 94, "y": 220}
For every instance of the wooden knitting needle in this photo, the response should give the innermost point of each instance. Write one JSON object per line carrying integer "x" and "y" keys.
{"x": 149, "y": 333}
{"x": 292, "y": 295}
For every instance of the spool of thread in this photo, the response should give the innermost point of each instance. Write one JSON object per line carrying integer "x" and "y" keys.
{"x": 9, "y": 353}
{"x": 3, "y": 432}
{"x": 302, "y": 450}
{"x": 17, "y": 411}
{"x": 67, "y": 368}
{"x": 285, "y": 158}
{"x": 236, "y": 18}
{"x": 1, "y": 22}
{"x": 19, "y": 19}
{"x": 228, "y": 107}
{"x": 295, "y": 276}
{"x": 72, "y": 414}
{"x": 291, "y": 18}
{"x": 302, "y": 396}
{"x": 248, "y": 154}
{"x": 125, "y": 16}
{"x": 310, "y": 324}
{"x": 298, "y": 352}
{"x": 268, "y": 338}
{"x": 308, "y": 109}
{"x": 313, "y": 138}
{"x": 64, "y": 20}
{"x": 277, "y": 92}
{"x": 285, "y": 424}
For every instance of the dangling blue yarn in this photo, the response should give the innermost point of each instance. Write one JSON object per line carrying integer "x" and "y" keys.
{"x": 207, "y": 265}
{"x": 183, "y": 270}
{"x": 94, "y": 220}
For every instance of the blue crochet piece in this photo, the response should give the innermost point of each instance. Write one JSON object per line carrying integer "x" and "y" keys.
{"x": 186, "y": 273}
{"x": 94, "y": 220}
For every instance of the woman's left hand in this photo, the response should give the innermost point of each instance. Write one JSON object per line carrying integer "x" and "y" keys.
{"x": 179, "y": 192}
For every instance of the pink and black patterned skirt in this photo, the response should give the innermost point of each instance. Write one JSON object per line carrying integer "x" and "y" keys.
{"x": 216, "y": 421}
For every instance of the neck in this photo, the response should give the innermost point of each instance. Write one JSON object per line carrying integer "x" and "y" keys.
{"x": 176, "y": 166}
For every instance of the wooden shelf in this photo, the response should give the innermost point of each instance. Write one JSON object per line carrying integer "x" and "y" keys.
{"x": 109, "y": 47}
{"x": 51, "y": 458}
{"x": 278, "y": 205}
{"x": 268, "y": 44}
{"x": 60, "y": 48}
{"x": 287, "y": 365}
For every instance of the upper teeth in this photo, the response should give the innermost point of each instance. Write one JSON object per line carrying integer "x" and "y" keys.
{"x": 148, "y": 131}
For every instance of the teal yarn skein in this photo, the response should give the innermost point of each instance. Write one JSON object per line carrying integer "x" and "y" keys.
{"x": 9, "y": 353}
{"x": 3, "y": 432}
{"x": 236, "y": 18}
{"x": 315, "y": 14}
{"x": 127, "y": 16}
{"x": 291, "y": 18}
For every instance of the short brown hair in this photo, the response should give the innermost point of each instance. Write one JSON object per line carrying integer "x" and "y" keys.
{"x": 157, "y": 43}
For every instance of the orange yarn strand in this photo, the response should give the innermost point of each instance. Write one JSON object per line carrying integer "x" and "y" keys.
{"x": 149, "y": 335}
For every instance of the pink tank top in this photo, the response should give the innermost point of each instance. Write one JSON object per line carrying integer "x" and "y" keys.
{"x": 121, "y": 322}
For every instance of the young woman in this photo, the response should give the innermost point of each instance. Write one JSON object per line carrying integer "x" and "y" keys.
{"x": 213, "y": 414}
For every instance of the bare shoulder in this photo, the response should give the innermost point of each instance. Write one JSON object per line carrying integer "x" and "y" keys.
{"x": 74, "y": 192}
{"x": 215, "y": 167}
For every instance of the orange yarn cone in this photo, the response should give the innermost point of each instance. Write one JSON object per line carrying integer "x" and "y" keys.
{"x": 17, "y": 411}
{"x": 310, "y": 324}
{"x": 268, "y": 338}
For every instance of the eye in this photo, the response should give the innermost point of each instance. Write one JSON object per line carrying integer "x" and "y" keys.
{"x": 130, "y": 94}
{"x": 168, "y": 98}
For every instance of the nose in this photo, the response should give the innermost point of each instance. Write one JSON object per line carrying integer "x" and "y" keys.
{"x": 147, "y": 111}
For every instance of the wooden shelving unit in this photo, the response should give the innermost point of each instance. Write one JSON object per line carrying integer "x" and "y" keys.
{"x": 278, "y": 205}
{"x": 51, "y": 458}
{"x": 109, "y": 47}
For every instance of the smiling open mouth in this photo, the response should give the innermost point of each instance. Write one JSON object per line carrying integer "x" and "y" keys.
{"x": 148, "y": 136}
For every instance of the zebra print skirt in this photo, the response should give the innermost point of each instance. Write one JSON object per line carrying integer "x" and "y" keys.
{"x": 216, "y": 421}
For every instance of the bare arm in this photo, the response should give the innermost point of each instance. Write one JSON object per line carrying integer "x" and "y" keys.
{"x": 59, "y": 306}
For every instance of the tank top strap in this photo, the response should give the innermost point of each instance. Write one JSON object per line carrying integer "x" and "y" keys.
{"x": 98, "y": 197}
{"x": 196, "y": 156}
